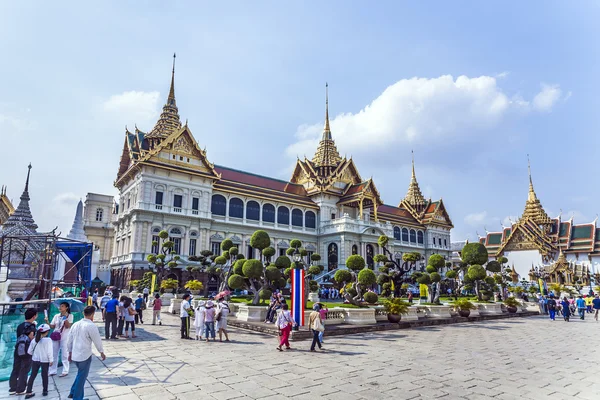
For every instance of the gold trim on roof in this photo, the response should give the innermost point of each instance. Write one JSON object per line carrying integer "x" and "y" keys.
{"x": 414, "y": 197}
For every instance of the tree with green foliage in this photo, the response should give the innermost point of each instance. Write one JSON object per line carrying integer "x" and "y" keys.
{"x": 477, "y": 274}
{"x": 166, "y": 259}
{"x": 432, "y": 277}
{"x": 474, "y": 254}
{"x": 359, "y": 277}
{"x": 395, "y": 272}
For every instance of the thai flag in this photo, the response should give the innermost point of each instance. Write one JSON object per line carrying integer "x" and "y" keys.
{"x": 298, "y": 296}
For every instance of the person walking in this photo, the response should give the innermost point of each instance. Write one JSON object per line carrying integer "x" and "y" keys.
{"x": 589, "y": 300}
{"x": 184, "y": 312}
{"x": 129, "y": 315}
{"x": 21, "y": 358}
{"x": 121, "y": 316}
{"x": 221, "y": 317}
{"x": 565, "y": 308}
{"x": 105, "y": 299}
{"x": 284, "y": 322}
{"x": 596, "y": 306}
{"x": 61, "y": 323}
{"x": 156, "y": 307}
{"x": 316, "y": 326}
{"x": 41, "y": 352}
{"x": 95, "y": 299}
{"x": 541, "y": 304}
{"x": 146, "y": 293}
{"x": 199, "y": 316}
{"x": 140, "y": 306}
{"x": 83, "y": 335}
{"x": 410, "y": 297}
{"x": 110, "y": 317}
{"x": 551, "y": 303}
{"x": 581, "y": 307}
{"x": 209, "y": 321}
{"x": 323, "y": 312}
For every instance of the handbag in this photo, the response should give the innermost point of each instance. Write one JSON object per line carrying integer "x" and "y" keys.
{"x": 131, "y": 312}
{"x": 318, "y": 325}
{"x": 57, "y": 335}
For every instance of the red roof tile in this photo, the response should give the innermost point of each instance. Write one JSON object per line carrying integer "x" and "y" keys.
{"x": 259, "y": 181}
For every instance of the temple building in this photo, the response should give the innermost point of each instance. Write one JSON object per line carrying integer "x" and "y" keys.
{"x": 538, "y": 246}
{"x": 166, "y": 182}
{"x": 6, "y": 207}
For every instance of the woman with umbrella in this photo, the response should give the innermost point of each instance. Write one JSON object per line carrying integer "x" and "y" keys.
{"x": 61, "y": 323}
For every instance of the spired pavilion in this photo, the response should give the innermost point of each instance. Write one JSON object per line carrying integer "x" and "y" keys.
{"x": 538, "y": 246}
{"x": 166, "y": 182}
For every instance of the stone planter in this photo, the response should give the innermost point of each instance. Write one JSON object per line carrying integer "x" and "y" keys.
{"x": 166, "y": 299}
{"x": 454, "y": 312}
{"x": 360, "y": 316}
{"x": 380, "y": 314}
{"x": 233, "y": 309}
{"x": 175, "y": 306}
{"x": 335, "y": 316}
{"x": 195, "y": 292}
{"x": 436, "y": 311}
{"x": 489, "y": 308}
{"x": 251, "y": 313}
{"x": 464, "y": 313}
{"x": 412, "y": 314}
{"x": 394, "y": 318}
{"x": 314, "y": 297}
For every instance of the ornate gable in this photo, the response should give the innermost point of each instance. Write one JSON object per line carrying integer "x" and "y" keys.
{"x": 436, "y": 214}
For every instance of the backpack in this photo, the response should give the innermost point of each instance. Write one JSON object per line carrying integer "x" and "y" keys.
{"x": 22, "y": 345}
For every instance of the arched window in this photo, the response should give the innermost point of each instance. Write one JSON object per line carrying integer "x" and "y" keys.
{"x": 354, "y": 249}
{"x": 445, "y": 243}
{"x": 283, "y": 215}
{"x": 236, "y": 208}
{"x": 252, "y": 210}
{"x": 413, "y": 236}
{"x": 99, "y": 214}
{"x": 218, "y": 205}
{"x": 297, "y": 217}
{"x": 404, "y": 235}
{"x": 370, "y": 263}
{"x": 175, "y": 231}
{"x": 310, "y": 219}
{"x": 396, "y": 233}
{"x": 268, "y": 213}
{"x": 332, "y": 257}
{"x": 420, "y": 237}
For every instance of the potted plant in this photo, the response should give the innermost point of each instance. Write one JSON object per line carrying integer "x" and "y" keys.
{"x": 170, "y": 283}
{"x": 194, "y": 286}
{"x": 464, "y": 307}
{"x": 511, "y": 305}
{"x": 395, "y": 308}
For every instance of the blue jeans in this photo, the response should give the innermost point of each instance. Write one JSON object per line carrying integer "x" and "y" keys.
{"x": 209, "y": 327}
{"x": 552, "y": 314}
{"x": 83, "y": 369}
{"x": 321, "y": 336}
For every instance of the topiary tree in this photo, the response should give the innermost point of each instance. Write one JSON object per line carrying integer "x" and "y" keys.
{"x": 359, "y": 277}
{"x": 397, "y": 272}
{"x": 315, "y": 257}
{"x": 371, "y": 297}
{"x": 260, "y": 240}
{"x": 477, "y": 274}
{"x": 474, "y": 254}
{"x": 493, "y": 266}
{"x": 432, "y": 277}
{"x": 165, "y": 259}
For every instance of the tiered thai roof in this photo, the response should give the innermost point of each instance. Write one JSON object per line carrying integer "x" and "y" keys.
{"x": 414, "y": 197}
{"x": 6, "y": 206}
{"x": 548, "y": 235}
{"x": 327, "y": 156}
{"x": 21, "y": 221}
{"x": 169, "y": 121}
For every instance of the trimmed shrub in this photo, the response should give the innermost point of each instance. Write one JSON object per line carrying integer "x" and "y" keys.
{"x": 252, "y": 269}
{"x": 367, "y": 277}
{"x": 265, "y": 294}
{"x": 371, "y": 297}
{"x": 355, "y": 262}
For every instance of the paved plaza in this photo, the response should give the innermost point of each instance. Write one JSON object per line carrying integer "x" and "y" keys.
{"x": 520, "y": 358}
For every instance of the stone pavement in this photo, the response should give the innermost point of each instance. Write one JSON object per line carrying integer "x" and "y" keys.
{"x": 520, "y": 358}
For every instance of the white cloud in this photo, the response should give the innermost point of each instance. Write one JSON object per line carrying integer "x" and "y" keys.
{"x": 476, "y": 219}
{"x": 134, "y": 107}
{"x": 423, "y": 111}
{"x": 547, "y": 97}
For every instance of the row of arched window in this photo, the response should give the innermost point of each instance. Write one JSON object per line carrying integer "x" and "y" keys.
{"x": 269, "y": 214}
{"x": 409, "y": 236}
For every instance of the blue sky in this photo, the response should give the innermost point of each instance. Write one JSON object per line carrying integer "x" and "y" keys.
{"x": 472, "y": 87}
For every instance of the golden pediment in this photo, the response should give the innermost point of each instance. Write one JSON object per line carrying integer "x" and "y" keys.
{"x": 183, "y": 145}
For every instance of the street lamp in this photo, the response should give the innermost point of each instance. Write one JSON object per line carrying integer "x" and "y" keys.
{"x": 298, "y": 260}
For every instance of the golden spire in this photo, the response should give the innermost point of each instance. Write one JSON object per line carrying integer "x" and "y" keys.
{"x": 414, "y": 197}
{"x": 327, "y": 154}
{"x": 169, "y": 121}
{"x": 533, "y": 208}
{"x": 171, "y": 99}
{"x": 326, "y": 130}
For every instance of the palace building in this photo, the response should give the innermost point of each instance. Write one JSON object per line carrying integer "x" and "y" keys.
{"x": 166, "y": 182}
{"x": 538, "y": 246}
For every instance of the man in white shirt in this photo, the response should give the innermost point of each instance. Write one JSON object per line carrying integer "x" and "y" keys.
{"x": 146, "y": 292}
{"x": 184, "y": 312}
{"x": 83, "y": 334}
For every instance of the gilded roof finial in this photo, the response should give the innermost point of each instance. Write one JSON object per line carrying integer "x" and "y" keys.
{"x": 533, "y": 208}
{"x": 414, "y": 177}
{"x": 171, "y": 99}
{"x": 532, "y": 196}
{"x": 414, "y": 196}
{"x": 27, "y": 181}
{"x": 326, "y": 130}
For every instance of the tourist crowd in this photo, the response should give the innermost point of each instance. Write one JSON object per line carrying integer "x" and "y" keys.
{"x": 567, "y": 307}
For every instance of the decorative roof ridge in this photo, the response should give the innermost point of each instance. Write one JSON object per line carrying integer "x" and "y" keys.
{"x": 257, "y": 175}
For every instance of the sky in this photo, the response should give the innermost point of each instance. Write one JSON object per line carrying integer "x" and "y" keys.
{"x": 472, "y": 88}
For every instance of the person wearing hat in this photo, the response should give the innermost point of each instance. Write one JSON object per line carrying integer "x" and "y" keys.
{"x": 209, "y": 320}
{"x": 140, "y": 305}
{"x": 42, "y": 355}
{"x": 199, "y": 316}
{"x": 221, "y": 317}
